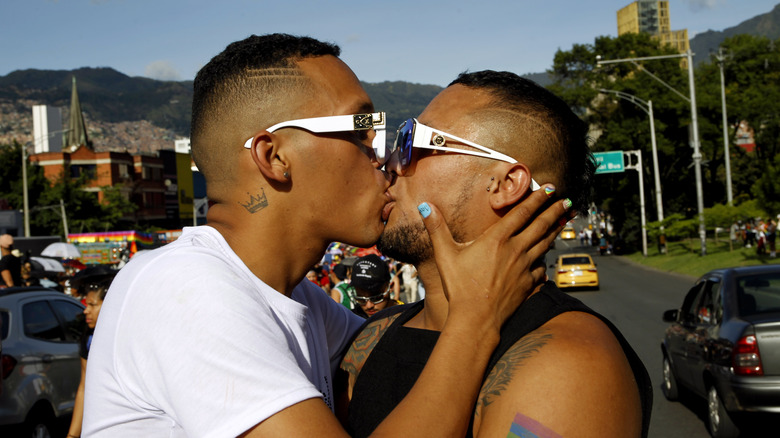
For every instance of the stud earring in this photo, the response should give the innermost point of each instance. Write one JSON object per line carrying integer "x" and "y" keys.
{"x": 491, "y": 181}
{"x": 286, "y": 174}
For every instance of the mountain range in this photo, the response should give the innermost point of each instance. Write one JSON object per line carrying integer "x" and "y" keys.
{"x": 142, "y": 115}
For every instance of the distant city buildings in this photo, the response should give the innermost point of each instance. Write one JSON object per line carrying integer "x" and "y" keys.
{"x": 652, "y": 17}
{"x": 164, "y": 186}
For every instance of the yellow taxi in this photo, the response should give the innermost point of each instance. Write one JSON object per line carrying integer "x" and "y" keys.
{"x": 576, "y": 270}
{"x": 568, "y": 233}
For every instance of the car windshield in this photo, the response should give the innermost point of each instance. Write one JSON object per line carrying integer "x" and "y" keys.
{"x": 575, "y": 261}
{"x": 758, "y": 294}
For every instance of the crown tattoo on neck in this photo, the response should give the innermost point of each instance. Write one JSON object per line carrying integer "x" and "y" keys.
{"x": 256, "y": 203}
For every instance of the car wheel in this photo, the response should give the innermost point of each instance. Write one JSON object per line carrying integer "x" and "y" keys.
{"x": 670, "y": 381}
{"x": 39, "y": 424}
{"x": 719, "y": 422}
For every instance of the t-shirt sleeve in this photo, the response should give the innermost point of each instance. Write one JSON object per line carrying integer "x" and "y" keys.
{"x": 341, "y": 323}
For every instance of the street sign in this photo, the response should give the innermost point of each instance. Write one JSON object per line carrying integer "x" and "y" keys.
{"x": 609, "y": 162}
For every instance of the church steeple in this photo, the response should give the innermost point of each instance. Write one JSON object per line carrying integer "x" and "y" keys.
{"x": 77, "y": 129}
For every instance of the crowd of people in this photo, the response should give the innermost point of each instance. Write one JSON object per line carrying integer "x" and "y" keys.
{"x": 18, "y": 269}
{"x": 367, "y": 284}
{"x": 759, "y": 233}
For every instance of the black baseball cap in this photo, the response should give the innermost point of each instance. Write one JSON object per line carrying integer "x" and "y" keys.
{"x": 370, "y": 273}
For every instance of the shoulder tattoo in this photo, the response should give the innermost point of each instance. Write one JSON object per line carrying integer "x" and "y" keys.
{"x": 502, "y": 373}
{"x": 364, "y": 344}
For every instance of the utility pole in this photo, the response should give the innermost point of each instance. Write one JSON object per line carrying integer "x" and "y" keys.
{"x": 694, "y": 127}
{"x": 721, "y": 57}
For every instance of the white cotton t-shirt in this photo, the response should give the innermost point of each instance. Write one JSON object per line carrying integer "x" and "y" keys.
{"x": 190, "y": 343}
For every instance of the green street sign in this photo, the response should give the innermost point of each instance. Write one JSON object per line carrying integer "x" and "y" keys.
{"x": 609, "y": 162}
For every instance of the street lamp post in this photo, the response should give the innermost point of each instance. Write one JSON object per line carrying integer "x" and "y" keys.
{"x": 26, "y": 202}
{"x": 647, "y": 107}
{"x": 721, "y": 57}
{"x": 694, "y": 129}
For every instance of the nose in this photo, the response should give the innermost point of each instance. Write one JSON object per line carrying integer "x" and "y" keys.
{"x": 393, "y": 165}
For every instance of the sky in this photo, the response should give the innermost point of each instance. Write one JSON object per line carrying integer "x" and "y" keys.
{"x": 419, "y": 41}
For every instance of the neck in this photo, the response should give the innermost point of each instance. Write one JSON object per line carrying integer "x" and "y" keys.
{"x": 434, "y": 314}
{"x": 267, "y": 246}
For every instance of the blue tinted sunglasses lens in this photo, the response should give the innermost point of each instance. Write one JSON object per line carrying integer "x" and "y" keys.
{"x": 404, "y": 143}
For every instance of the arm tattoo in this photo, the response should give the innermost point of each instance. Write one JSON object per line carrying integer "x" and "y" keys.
{"x": 364, "y": 344}
{"x": 255, "y": 203}
{"x": 502, "y": 373}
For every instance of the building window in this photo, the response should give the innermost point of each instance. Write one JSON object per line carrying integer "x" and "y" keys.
{"x": 79, "y": 170}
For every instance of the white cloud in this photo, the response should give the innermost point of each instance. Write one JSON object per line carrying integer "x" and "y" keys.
{"x": 162, "y": 70}
{"x": 698, "y": 5}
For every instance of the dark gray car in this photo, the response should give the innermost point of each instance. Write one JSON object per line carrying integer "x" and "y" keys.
{"x": 724, "y": 345}
{"x": 41, "y": 368}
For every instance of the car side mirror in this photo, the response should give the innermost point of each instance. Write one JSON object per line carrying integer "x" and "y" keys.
{"x": 671, "y": 315}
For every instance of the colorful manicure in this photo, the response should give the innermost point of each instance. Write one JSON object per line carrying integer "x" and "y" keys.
{"x": 567, "y": 204}
{"x": 549, "y": 191}
{"x": 424, "y": 209}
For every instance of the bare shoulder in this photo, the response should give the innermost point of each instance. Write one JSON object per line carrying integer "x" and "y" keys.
{"x": 570, "y": 377}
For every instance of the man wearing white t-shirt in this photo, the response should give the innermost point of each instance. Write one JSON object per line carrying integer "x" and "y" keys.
{"x": 219, "y": 333}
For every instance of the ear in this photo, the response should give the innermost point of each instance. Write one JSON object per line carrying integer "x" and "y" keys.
{"x": 513, "y": 186}
{"x": 266, "y": 156}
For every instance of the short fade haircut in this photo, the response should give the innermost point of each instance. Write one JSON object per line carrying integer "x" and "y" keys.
{"x": 245, "y": 87}
{"x": 562, "y": 149}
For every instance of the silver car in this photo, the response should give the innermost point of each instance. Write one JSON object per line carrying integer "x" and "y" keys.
{"x": 41, "y": 368}
{"x": 723, "y": 345}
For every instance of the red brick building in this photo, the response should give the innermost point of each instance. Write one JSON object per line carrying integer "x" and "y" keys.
{"x": 139, "y": 178}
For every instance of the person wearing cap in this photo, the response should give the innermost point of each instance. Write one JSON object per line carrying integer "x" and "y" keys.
{"x": 10, "y": 265}
{"x": 371, "y": 280}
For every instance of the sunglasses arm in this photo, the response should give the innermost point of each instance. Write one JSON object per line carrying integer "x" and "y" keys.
{"x": 423, "y": 136}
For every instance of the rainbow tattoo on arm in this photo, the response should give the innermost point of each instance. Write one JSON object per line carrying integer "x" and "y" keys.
{"x": 525, "y": 427}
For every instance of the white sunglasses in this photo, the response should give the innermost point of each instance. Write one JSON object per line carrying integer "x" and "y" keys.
{"x": 413, "y": 134}
{"x": 351, "y": 122}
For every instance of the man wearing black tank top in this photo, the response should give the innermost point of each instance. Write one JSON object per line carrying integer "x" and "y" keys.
{"x": 560, "y": 369}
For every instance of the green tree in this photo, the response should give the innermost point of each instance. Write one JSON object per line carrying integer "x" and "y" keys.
{"x": 752, "y": 79}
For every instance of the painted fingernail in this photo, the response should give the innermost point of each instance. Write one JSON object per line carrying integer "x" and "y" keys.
{"x": 567, "y": 203}
{"x": 549, "y": 191}
{"x": 424, "y": 209}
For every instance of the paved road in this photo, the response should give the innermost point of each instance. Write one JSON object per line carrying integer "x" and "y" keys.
{"x": 634, "y": 299}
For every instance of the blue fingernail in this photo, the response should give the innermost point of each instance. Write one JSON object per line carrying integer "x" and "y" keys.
{"x": 425, "y": 209}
